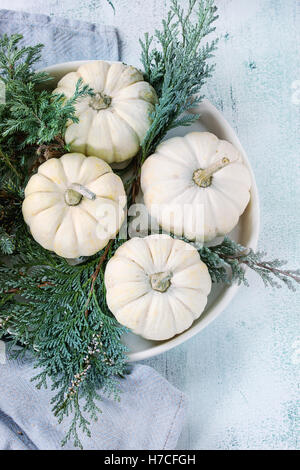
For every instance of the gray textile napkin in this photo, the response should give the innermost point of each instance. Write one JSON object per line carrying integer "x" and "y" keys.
{"x": 151, "y": 412}
{"x": 64, "y": 39}
{"x": 149, "y": 415}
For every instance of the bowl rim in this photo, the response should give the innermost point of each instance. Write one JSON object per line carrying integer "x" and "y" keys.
{"x": 228, "y": 292}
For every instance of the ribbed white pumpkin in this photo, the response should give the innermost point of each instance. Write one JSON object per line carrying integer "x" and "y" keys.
{"x": 114, "y": 121}
{"x": 156, "y": 286}
{"x": 74, "y": 205}
{"x": 196, "y": 186}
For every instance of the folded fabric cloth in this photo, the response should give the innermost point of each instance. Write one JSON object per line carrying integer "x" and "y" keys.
{"x": 64, "y": 39}
{"x": 151, "y": 411}
{"x": 149, "y": 415}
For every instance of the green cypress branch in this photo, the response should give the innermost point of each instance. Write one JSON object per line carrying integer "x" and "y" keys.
{"x": 175, "y": 63}
{"x": 227, "y": 260}
{"x": 62, "y": 337}
{"x": 6, "y": 160}
{"x": 38, "y": 116}
{"x": 16, "y": 62}
{"x": 177, "y": 67}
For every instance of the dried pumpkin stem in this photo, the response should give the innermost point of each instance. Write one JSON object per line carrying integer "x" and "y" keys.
{"x": 100, "y": 101}
{"x": 203, "y": 177}
{"x": 76, "y": 192}
{"x": 161, "y": 281}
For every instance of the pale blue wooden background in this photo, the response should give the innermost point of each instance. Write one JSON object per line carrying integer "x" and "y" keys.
{"x": 241, "y": 374}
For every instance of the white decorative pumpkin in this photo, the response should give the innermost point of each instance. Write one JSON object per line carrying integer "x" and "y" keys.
{"x": 156, "y": 286}
{"x": 196, "y": 186}
{"x": 114, "y": 121}
{"x": 74, "y": 205}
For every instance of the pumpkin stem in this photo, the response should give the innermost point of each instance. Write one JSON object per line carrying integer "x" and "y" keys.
{"x": 203, "y": 177}
{"x": 161, "y": 281}
{"x": 100, "y": 101}
{"x": 76, "y": 192}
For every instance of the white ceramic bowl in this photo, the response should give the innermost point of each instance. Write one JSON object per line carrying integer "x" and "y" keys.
{"x": 245, "y": 233}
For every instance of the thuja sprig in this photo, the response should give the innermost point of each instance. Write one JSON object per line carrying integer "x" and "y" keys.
{"x": 39, "y": 116}
{"x": 6, "y": 161}
{"x": 227, "y": 261}
{"x": 32, "y": 120}
{"x": 95, "y": 347}
{"x": 16, "y": 61}
{"x": 61, "y": 336}
{"x": 96, "y": 274}
{"x": 175, "y": 63}
{"x": 80, "y": 376}
{"x": 32, "y": 126}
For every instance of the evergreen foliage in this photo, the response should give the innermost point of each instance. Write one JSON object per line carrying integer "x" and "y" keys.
{"x": 57, "y": 311}
{"x": 226, "y": 263}
{"x": 38, "y": 116}
{"x": 175, "y": 63}
{"x": 32, "y": 125}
